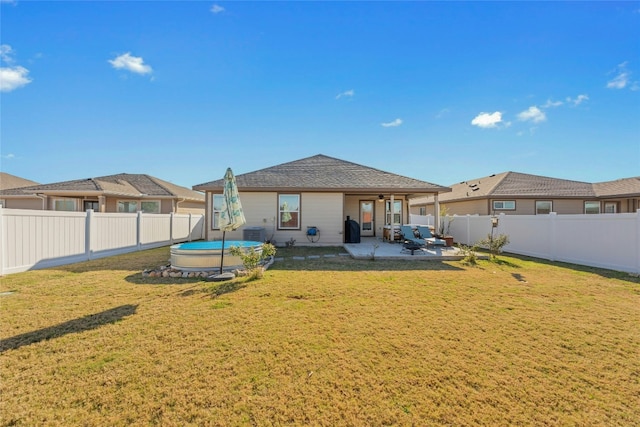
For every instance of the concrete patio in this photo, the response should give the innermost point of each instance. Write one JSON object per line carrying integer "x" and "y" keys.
{"x": 381, "y": 249}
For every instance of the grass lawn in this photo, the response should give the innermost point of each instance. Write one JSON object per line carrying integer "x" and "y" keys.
{"x": 329, "y": 341}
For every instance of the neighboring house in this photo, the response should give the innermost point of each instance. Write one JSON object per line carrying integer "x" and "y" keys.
{"x": 283, "y": 201}
{"x": 524, "y": 194}
{"x": 114, "y": 193}
{"x": 8, "y": 181}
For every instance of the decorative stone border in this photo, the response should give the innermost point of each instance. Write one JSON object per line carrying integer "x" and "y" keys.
{"x": 168, "y": 271}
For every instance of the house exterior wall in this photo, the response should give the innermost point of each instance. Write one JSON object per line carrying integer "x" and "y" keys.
{"x": 524, "y": 206}
{"x": 190, "y": 208}
{"x": 34, "y": 204}
{"x": 321, "y": 210}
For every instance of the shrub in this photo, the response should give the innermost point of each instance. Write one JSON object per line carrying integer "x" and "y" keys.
{"x": 469, "y": 253}
{"x": 253, "y": 260}
{"x": 495, "y": 243}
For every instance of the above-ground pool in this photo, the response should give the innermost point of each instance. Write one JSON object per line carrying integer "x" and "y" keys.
{"x": 199, "y": 256}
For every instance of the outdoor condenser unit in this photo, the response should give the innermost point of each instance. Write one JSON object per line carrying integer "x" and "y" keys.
{"x": 255, "y": 234}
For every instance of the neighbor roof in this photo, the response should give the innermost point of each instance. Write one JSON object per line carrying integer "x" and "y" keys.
{"x": 8, "y": 181}
{"x": 620, "y": 187}
{"x": 322, "y": 173}
{"x": 124, "y": 184}
{"x": 516, "y": 184}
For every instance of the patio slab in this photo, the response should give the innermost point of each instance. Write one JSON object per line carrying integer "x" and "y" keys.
{"x": 378, "y": 249}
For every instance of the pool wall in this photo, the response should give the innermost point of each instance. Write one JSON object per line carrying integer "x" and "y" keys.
{"x": 199, "y": 256}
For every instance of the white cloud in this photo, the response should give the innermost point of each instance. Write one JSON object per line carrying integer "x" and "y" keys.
{"x": 551, "y": 103}
{"x": 487, "y": 120}
{"x": 533, "y": 114}
{"x": 347, "y": 93}
{"x": 9, "y": 156}
{"x": 578, "y": 99}
{"x": 621, "y": 79}
{"x": 442, "y": 113}
{"x": 395, "y": 123}
{"x": 135, "y": 64}
{"x": 216, "y": 8}
{"x": 12, "y": 78}
{"x": 5, "y": 53}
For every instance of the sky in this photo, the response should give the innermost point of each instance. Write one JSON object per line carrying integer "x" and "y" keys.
{"x": 438, "y": 91}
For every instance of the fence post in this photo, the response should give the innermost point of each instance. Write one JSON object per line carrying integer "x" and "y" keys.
{"x": 87, "y": 233}
{"x": 3, "y": 241}
{"x": 139, "y": 231}
{"x": 189, "y": 226}
{"x": 553, "y": 247}
{"x": 171, "y": 219}
{"x": 638, "y": 241}
{"x": 468, "y": 231}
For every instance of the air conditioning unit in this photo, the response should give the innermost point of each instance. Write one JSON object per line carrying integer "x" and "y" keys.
{"x": 255, "y": 234}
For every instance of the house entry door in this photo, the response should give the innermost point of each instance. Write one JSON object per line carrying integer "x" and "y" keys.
{"x": 366, "y": 218}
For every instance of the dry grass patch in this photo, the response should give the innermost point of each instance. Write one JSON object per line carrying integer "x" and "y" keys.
{"x": 328, "y": 341}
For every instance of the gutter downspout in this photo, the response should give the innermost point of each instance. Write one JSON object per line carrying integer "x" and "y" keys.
{"x": 43, "y": 197}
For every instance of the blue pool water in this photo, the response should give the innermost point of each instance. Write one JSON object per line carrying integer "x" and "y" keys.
{"x": 216, "y": 245}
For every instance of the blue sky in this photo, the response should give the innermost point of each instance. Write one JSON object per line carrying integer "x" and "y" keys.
{"x": 438, "y": 91}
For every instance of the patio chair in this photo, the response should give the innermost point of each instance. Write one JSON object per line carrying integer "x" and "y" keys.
{"x": 425, "y": 234}
{"x": 408, "y": 235}
{"x": 410, "y": 242}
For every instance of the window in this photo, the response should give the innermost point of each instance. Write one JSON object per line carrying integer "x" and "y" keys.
{"x": 504, "y": 205}
{"x": 610, "y": 207}
{"x": 544, "y": 207}
{"x": 64, "y": 205}
{"x": 218, "y": 200}
{"x": 289, "y": 211}
{"x": 91, "y": 204}
{"x": 422, "y": 211}
{"x": 592, "y": 207}
{"x": 150, "y": 206}
{"x": 128, "y": 206}
{"x": 397, "y": 212}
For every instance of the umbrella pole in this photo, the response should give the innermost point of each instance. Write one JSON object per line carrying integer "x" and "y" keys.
{"x": 222, "y": 253}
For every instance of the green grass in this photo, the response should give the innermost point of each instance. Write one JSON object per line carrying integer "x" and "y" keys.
{"x": 328, "y": 341}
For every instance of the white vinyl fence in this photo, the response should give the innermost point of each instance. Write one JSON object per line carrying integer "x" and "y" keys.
{"x": 607, "y": 240}
{"x": 32, "y": 239}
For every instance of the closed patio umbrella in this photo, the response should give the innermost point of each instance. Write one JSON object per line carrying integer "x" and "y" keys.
{"x": 231, "y": 215}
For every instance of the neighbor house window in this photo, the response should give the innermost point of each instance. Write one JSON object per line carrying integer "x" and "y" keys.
{"x": 64, "y": 205}
{"x": 504, "y": 205}
{"x": 150, "y": 206}
{"x": 610, "y": 207}
{"x": 544, "y": 207}
{"x": 397, "y": 212}
{"x": 592, "y": 207}
{"x": 218, "y": 200}
{"x": 128, "y": 206}
{"x": 289, "y": 211}
{"x": 422, "y": 211}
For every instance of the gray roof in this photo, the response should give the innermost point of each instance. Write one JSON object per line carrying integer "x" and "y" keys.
{"x": 124, "y": 184}
{"x": 8, "y": 181}
{"x": 522, "y": 185}
{"x": 324, "y": 173}
{"x": 620, "y": 187}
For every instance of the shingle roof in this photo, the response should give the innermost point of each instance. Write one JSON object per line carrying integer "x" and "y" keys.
{"x": 319, "y": 173}
{"x": 515, "y": 184}
{"x": 8, "y": 181}
{"x": 124, "y": 184}
{"x": 620, "y": 187}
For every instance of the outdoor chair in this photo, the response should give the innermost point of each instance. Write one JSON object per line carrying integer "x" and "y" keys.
{"x": 430, "y": 239}
{"x": 408, "y": 235}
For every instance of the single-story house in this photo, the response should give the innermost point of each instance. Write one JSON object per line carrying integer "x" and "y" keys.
{"x": 8, "y": 181}
{"x": 114, "y": 193}
{"x": 524, "y": 194}
{"x": 282, "y": 203}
